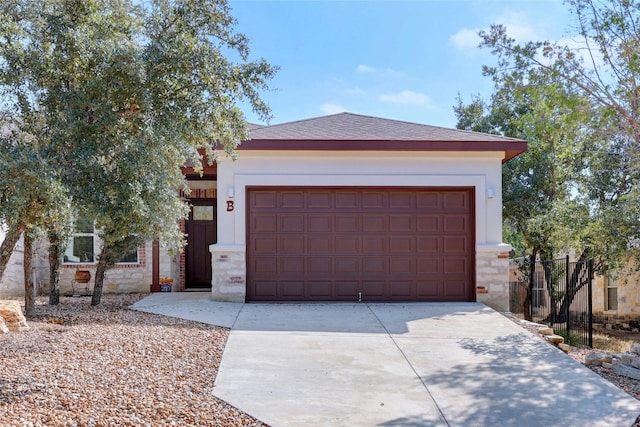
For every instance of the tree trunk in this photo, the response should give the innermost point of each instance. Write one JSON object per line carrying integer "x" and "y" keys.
{"x": 578, "y": 278}
{"x": 101, "y": 269}
{"x": 29, "y": 288}
{"x": 9, "y": 242}
{"x": 54, "y": 268}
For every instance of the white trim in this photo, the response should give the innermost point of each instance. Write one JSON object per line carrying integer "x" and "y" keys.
{"x": 490, "y": 247}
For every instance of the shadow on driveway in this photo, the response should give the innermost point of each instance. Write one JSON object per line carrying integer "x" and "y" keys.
{"x": 421, "y": 364}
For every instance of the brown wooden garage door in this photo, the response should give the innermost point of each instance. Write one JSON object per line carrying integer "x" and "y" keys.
{"x": 373, "y": 244}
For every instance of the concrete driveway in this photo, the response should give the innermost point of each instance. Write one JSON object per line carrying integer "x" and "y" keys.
{"x": 418, "y": 364}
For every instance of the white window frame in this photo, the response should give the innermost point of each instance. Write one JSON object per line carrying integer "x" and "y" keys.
{"x": 97, "y": 247}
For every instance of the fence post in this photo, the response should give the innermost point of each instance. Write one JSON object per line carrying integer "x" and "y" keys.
{"x": 566, "y": 296}
{"x": 590, "y": 302}
{"x": 529, "y": 308}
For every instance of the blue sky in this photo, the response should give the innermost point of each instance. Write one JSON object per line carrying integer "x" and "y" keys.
{"x": 405, "y": 60}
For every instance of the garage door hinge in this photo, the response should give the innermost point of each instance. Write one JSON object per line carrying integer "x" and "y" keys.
{"x": 359, "y": 296}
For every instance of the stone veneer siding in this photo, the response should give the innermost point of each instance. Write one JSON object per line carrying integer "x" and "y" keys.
{"x": 492, "y": 278}
{"x": 122, "y": 278}
{"x": 628, "y": 295}
{"x": 12, "y": 283}
{"x": 229, "y": 278}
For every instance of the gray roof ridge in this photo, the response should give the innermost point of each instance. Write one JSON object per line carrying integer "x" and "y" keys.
{"x": 306, "y": 120}
{"x": 433, "y": 126}
{"x": 455, "y": 130}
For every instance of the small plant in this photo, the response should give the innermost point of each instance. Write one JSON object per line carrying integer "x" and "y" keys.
{"x": 573, "y": 339}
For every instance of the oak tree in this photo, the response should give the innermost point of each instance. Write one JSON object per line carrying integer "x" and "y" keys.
{"x": 127, "y": 92}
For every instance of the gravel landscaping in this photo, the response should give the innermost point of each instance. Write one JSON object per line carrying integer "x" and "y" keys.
{"x": 79, "y": 365}
{"x": 101, "y": 366}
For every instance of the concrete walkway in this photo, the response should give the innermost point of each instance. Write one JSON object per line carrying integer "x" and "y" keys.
{"x": 419, "y": 364}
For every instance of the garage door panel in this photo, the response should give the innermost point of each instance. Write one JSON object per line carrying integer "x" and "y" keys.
{"x": 292, "y": 289}
{"x": 292, "y": 265}
{"x": 402, "y": 244}
{"x": 292, "y": 200}
{"x": 347, "y": 265}
{"x": 319, "y": 223}
{"x": 402, "y": 265}
{"x": 319, "y": 244}
{"x": 347, "y": 223}
{"x": 455, "y": 288}
{"x": 374, "y": 290}
{"x": 374, "y": 223}
{"x": 346, "y": 289}
{"x": 291, "y": 244}
{"x": 455, "y": 201}
{"x": 387, "y": 244}
{"x": 454, "y": 245}
{"x": 374, "y": 265}
{"x": 456, "y": 223}
{"x": 291, "y": 223}
{"x": 401, "y": 200}
{"x": 265, "y": 265}
{"x": 264, "y": 199}
{"x": 402, "y": 289}
{"x": 265, "y": 289}
{"x": 428, "y": 289}
{"x": 265, "y": 224}
{"x": 320, "y": 266}
{"x": 317, "y": 199}
{"x": 455, "y": 266}
{"x": 347, "y": 200}
{"x": 401, "y": 223}
{"x": 427, "y": 200}
{"x": 374, "y": 200}
{"x": 266, "y": 244}
{"x": 428, "y": 223}
{"x": 319, "y": 290}
{"x": 347, "y": 244}
{"x": 374, "y": 244}
{"x": 429, "y": 245}
{"x": 428, "y": 265}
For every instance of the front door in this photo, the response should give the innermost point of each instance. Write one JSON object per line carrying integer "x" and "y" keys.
{"x": 201, "y": 232}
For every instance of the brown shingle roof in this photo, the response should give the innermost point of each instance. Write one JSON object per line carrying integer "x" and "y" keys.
{"x": 253, "y": 126}
{"x": 348, "y": 131}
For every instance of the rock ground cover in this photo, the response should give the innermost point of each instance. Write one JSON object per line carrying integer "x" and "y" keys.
{"x": 79, "y": 365}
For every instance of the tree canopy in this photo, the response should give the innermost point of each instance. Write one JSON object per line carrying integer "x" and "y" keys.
{"x": 577, "y": 105}
{"x": 114, "y": 96}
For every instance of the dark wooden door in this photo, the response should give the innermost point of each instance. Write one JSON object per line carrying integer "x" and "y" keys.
{"x": 201, "y": 232}
{"x": 369, "y": 244}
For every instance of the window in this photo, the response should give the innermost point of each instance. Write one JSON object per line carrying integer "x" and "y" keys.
{"x": 611, "y": 293}
{"x": 84, "y": 245}
{"x": 130, "y": 258}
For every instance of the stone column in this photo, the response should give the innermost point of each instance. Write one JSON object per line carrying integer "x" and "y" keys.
{"x": 228, "y": 273}
{"x": 492, "y": 275}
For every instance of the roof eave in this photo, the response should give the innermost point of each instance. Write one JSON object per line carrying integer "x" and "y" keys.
{"x": 510, "y": 148}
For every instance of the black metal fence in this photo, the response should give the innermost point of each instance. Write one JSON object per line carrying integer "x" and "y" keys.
{"x": 556, "y": 293}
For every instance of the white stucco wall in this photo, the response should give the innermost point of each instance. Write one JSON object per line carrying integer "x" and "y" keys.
{"x": 481, "y": 170}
